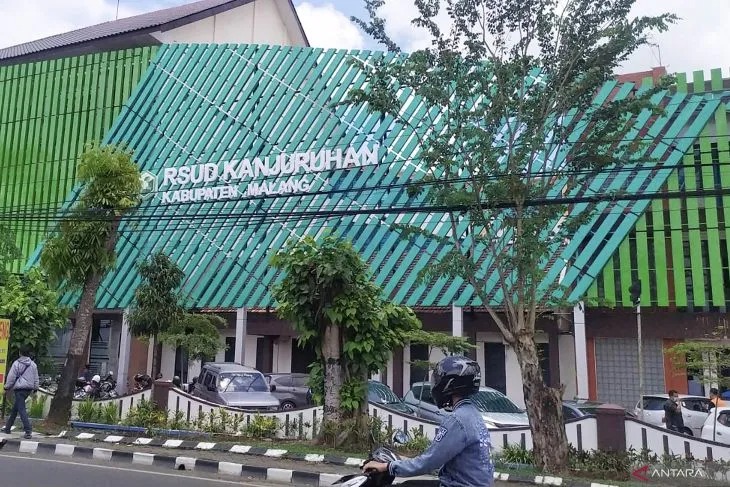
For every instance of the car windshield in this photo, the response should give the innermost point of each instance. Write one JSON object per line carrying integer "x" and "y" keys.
{"x": 242, "y": 382}
{"x": 494, "y": 402}
{"x": 382, "y": 394}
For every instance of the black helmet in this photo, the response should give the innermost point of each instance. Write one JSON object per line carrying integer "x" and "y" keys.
{"x": 456, "y": 375}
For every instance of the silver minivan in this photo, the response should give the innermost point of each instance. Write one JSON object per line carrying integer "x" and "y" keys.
{"x": 496, "y": 408}
{"x": 235, "y": 385}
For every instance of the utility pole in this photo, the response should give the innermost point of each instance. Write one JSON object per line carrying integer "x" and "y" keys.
{"x": 635, "y": 292}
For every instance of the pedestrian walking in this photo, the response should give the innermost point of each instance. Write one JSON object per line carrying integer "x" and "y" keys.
{"x": 22, "y": 380}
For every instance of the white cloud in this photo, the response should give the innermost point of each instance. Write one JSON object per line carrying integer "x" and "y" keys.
{"x": 27, "y": 20}
{"x": 698, "y": 41}
{"x": 327, "y": 27}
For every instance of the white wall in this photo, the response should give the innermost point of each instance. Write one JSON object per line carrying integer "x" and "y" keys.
{"x": 251, "y": 345}
{"x": 282, "y": 354}
{"x": 259, "y": 22}
{"x": 566, "y": 350}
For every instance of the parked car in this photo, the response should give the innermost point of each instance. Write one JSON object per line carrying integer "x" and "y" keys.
{"x": 694, "y": 411}
{"x": 381, "y": 394}
{"x": 235, "y": 385}
{"x": 577, "y": 408}
{"x": 719, "y": 421}
{"x": 290, "y": 389}
{"x": 496, "y": 408}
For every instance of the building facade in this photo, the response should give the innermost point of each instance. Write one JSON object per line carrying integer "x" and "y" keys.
{"x": 197, "y": 100}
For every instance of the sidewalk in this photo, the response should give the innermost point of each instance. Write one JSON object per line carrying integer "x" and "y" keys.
{"x": 294, "y": 464}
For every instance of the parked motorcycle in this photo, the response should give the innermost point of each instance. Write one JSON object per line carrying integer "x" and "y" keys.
{"x": 142, "y": 382}
{"x": 372, "y": 478}
{"x": 108, "y": 387}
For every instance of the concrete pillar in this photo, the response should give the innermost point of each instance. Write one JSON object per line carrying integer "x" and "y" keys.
{"x": 611, "y": 429}
{"x": 150, "y": 354}
{"x": 513, "y": 378}
{"x": 406, "y": 368}
{"x": 282, "y": 355}
{"x": 250, "y": 344}
{"x": 481, "y": 361}
{"x": 457, "y": 321}
{"x": 567, "y": 366}
{"x": 125, "y": 341}
{"x": 389, "y": 372}
{"x": 241, "y": 325}
{"x": 167, "y": 362}
{"x": 581, "y": 352}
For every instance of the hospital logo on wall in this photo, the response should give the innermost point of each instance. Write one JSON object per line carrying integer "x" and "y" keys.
{"x": 149, "y": 185}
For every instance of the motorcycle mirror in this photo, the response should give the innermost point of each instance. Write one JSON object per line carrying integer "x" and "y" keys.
{"x": 400, "y": 438}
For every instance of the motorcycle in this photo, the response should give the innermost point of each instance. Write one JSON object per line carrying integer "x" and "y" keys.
{"x": 142, "y": 382}
{"x": 108, "y": 387}
{"x": 372, "y": 478}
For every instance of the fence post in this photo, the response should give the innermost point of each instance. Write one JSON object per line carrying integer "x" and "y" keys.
{"x": 161, "y": 393}
{"x": 611, "y": 428}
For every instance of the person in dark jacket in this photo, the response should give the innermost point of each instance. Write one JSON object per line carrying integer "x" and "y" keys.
{"x": 461, "y": 447}
{"x": 23, "y": 381}
{"x": 673, "y": 412}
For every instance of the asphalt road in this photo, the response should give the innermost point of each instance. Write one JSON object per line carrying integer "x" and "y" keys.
{"x": 17, "y": 470}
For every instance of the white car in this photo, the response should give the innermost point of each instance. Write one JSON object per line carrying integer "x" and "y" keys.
{"x": 719, "y": 421}
{"x": 694, "y": 411}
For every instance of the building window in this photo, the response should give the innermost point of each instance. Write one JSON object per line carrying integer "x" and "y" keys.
{"x": 495, "y": 375}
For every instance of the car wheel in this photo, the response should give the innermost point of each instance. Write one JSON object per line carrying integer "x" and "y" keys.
{"x": 288, "y": 405}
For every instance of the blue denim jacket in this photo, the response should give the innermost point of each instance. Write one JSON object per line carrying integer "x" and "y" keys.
{"x": 461, "y": 448}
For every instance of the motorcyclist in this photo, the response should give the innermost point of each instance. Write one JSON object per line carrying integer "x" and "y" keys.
{"x": 461, "y": 447}
{"x": 93, "y": 389}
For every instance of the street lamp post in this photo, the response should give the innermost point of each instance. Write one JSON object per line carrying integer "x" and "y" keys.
{"x": 635, "y": 292}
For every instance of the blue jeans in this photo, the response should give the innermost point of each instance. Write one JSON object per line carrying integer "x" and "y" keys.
{"x": 19, "y": 408}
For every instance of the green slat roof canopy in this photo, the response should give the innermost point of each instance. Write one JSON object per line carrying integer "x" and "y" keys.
{"x": 222, "y": 110}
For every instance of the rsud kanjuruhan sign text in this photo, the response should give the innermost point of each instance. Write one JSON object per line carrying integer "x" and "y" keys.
{"x": 246, "y": 178}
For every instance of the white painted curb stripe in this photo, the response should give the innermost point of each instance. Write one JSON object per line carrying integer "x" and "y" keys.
{"x": 239, "y": 449}
{"x": 28, "y": 447}
{"x": 143, "y": 441}
{"x": 64, "y": 450}
{"x": 228, "y": 468}
{"x": 84, "y": 436}
{"x": 353, "y": 461}
{"x": 328, "y": 478}
{"x": 313, "y": 457}
{"x": 274, "y": 453}
{"x": 172, "y": 443}
{"x": 278, "y": 475}
{"x": 143, "y": 458}
{"x": 204, "y": 446}
{"x": 102, "y": 454}
{"x": 187, "y": 462}
{"x": 113, "y": 439}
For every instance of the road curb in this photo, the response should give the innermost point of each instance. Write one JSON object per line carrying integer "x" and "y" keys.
{"x": 248, "y": 472}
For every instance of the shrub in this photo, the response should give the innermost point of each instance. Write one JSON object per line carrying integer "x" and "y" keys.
{"x": 417, "y": 443}
{"x": 261, "y": 427}
{"x": 146, "y": 414}
{"x": 87, "y": 411}
{"x": 108, "y": 413}
{"x": 37, "y": 404}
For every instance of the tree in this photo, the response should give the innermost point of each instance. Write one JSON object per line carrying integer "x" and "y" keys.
{"x": 158, "y": 305}
{"x": 504, "y": 89}
{"x": 83, "y": 250}
{"x": 705, "y": 358}
{"x": 197, "y": 334}
{"x": 328, "y": 297}
{"x": 160, "y": 314}
{"x": 30, "y": 303}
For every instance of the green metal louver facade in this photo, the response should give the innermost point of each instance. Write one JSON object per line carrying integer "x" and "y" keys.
{"x": 48, "y": 111}
{"x": 207, "y": 104}
{"x": 679, "y": 247}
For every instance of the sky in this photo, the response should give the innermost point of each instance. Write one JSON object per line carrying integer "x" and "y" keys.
{"x": 697, "y": 42}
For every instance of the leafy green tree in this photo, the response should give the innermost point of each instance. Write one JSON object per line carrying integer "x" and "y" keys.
{"x": 505, "y": 87}
{"x": 197, "y": 334}
{"x": 83, "y": 250}
{"x": 158, "y": 305}
{"x": 159, "y": 313}
{"x": 30, "y": 303}
{"x": 329, "y": 298}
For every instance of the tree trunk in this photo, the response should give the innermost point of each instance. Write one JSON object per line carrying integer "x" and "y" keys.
{"x": 60, "y": 410}
{"x": 154, "y": 369}
{"x": 544, "y": 408}
{"x": 333, "y": 377}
